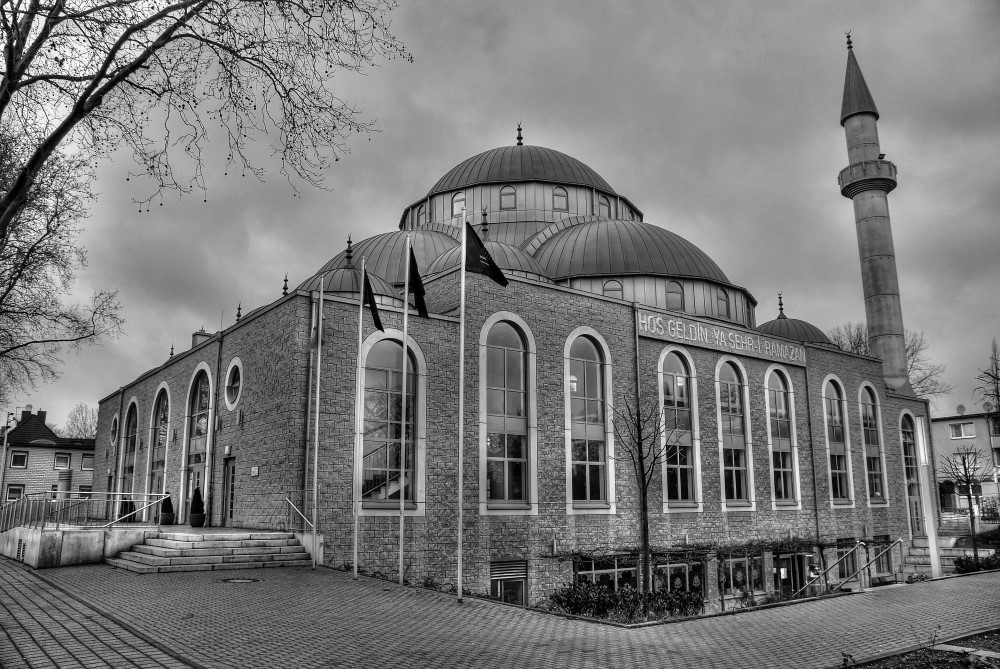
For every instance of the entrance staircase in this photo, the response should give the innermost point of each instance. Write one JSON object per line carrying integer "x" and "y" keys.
{"x": 214, "y": 549}
{"x": 918, "y": 561}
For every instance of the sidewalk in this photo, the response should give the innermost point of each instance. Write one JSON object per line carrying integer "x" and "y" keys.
{"x": 296, "y": 617}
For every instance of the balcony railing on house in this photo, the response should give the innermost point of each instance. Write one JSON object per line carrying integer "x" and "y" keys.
{"x": 97, "y": 509}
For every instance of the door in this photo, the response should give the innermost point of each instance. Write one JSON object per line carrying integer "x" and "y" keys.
{"x": 196, "y": 474}
{"x": 790, "y": 573}
{"x": 228, "y": 491}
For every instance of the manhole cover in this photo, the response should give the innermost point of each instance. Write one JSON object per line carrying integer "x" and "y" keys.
{"x": 239, "y": 580}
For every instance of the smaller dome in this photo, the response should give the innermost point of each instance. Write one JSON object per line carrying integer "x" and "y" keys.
{"x": 347, "y": 281}
{"x": 385, "y": 253}
{"x": 793, "y": 328}
{"x": 510, "y": 259}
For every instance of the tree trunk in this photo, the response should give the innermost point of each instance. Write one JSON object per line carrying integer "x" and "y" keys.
{"x": 972, "y": 527}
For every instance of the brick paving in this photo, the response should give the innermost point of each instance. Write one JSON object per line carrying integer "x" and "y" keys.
{"x": 296, "y": 617}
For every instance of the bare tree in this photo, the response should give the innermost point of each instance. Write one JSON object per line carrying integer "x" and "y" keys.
{"x": 81, "y": 422}
{"x": 153, "y": 75}
{"x": 988, "y": 390}
{"x": 969, "y": 468}
{"x": 925, "y": 376}
{"x": 38, "y": 262}
{"x": 643, "y": 437}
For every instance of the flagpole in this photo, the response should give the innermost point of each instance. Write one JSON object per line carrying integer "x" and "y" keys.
{"x": 461, "y": 405}
{"x": 319, "y": 364}
{"x": 358, "y": 408}
{"x": 406, "y": 359}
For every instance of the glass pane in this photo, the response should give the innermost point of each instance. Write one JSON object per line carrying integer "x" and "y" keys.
{"x": 504, "y": 334}
{"x": 515, "y": 446}
{"x": 578, "y": 410}
{"x": 576, "y": 373}
{"x": 494, "y": 479}
{"x": 584, "y": 349}
{"x": 595, "y": 451}
{"x": 517, "y": 486}
{"x": 578, "y": 450}
{"x": 515, "y": 370}
{"x": 593, "y": 388}
{"x": 596, "y": 482}
{"x": 515, "y": 403}
{"x": 494, "y": 367}
{"x": 494, "y": 402}
{"x": 580, "y": 482}
{"x": 494, "y": 446}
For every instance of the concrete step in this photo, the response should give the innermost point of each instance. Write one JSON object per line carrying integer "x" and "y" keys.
{"x": 244, "y": 543}
{"x": 222, "y": 535}
{"x": 140, "y": 568}
{"x": 190, "y": 551}
{"x": 942, "y": 542}
{"x": 200, "y": 552}
{"x": 952, "y": 552}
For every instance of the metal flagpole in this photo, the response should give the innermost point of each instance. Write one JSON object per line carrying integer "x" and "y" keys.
{"x": 319, "y": 364}
{"x": 461, "y": 405}
{"x": 406, "y": 359}
{"x": 358, "y": 408}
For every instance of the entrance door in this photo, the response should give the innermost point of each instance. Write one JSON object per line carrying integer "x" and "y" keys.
{"x": 228, "y": 491}
{"x": 790, "y": 573}
{"x": 196, "y": 475}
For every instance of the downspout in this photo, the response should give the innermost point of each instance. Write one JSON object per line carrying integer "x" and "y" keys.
{"x": 209, "y": 474}
{"x": 119, "y": 472}
{"x": 309, "y": 400}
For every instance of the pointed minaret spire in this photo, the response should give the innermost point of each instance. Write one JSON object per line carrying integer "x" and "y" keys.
{"x": 239, "y": 312}
{"x": 486, "y": 227}
{"x": 857, "y": 97}
{"x": 520, "y": 140}
{"x": 284, "y": 289}
{"x": 349, "y": 253}
{"x": 781, "y": 307}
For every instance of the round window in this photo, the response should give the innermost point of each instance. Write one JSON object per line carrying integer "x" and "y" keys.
{"x": 234, "y": 383}
{"x": 114, "y": 430}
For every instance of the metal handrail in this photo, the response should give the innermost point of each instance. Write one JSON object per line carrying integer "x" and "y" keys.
{"x": 38, "y": 510}
{"x": 867, "y": 564}
{"x": 135, "y": 514}
{"x": 857, "y": 545}
{"x": 296, "y": 509}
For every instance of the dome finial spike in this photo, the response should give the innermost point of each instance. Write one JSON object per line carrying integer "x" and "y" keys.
{"x": 239, "y": 312}
{"x": 284, "y": 289}
{"x": 349, "y": 254}
{"x": 486, "y": 227}
{"x": 171, "y": 350}
{"x": 520, "y": 139}
{"x": 850, "y": 47}
{"x": 781, "y": 306}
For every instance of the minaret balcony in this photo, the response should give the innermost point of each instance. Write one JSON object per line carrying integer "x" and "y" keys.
{"x": 867, "y": 175}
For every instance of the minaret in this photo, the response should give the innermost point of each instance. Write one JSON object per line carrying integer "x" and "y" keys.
{"x": 867, "y": 181}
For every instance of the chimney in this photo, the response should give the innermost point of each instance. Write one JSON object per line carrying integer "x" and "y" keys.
{"x": 199, "y": 337}
{"x": 41, "y": 416}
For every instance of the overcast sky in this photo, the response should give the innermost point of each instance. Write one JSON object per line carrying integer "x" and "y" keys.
{"x": 720, "y": 121}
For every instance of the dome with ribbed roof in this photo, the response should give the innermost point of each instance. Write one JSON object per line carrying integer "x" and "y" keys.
{"x": 602, "y": 247}
{"x": 347, "y": 281}
{"x": 793, "y": 328}
{"x": 510, "y": 259}
{"x": 521, "y": 162}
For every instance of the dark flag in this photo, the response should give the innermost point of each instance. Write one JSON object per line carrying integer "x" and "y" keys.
{"x": 417, "y": 286}
{"x": 478, "y": 259}
{"x": 369, "y": 299}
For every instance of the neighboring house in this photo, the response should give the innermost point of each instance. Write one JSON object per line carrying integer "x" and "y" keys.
{"x": 951, "y": 433}
{"x": 38, "y": 460}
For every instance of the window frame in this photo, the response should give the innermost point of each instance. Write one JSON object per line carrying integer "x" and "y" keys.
{"x": 722, "y": 298}
{"x": 508, "y": 191}
{"x": 795, "y": 502}
{"x": 55, "y": 461}
{"x": 83, "y": 460}
{"x": 421, "y": 215}
{"x": 696, "y": 504}
{"x": 10, "y": 461}
{"x": 458, "y": 198}
{"x": 838, "y": 502}
{"x": 749, "y": 563}
{"x": 608, "y": 289}
{"x": 670, "y": 292}
{"x": 735, "y": 505}
{"x": 235, "y": 367}
{"x": 530, "y": 505}
{"x": 13, "y": 486}
{"x": 602, "y": 202}
{"x": 564, "y": 195}
{"x": 961, "y": 428}
{"x": 617, "y": 565}
{"x": 417, "y": 507}
{"x": 189, "y": 418}
{"x": 609, "y": 506}
{"x": 876, "y": 407}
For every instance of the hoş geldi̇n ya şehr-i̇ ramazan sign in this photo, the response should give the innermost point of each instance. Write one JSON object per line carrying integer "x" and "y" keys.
{"x": 719, "y": 337}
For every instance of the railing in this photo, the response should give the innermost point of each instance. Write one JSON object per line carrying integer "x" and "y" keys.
{"x": 55, "y": 510}
{"x": 818, "y": 576}
{"x": 870, "y": 563}
{"x": 294, "y": 508}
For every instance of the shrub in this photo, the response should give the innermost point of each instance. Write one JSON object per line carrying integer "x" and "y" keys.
{"x": 197, "y": 505}
{"x": 965, "y": 565}
{"x": 166, "y": 506}
{"x": 625, "y": 605}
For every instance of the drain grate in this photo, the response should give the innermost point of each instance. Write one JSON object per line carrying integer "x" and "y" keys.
{"x": 239, "y": 580}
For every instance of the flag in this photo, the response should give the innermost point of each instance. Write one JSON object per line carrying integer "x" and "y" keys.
{"x": 478, "y": 259}
{"x": 417, "y": 286}
{"x": 369, "y": 299}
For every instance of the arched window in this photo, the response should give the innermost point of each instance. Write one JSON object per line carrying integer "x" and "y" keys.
{"x": 587, "y": 420}
{"x": 836, "y": 441}
{"x": 675, "y": 296}
{"x": 677, "y": 426}
{"x": 506, "y": 415}
{"x": 457, "y": 204}
{"x": 158, "y": 454}
{"x": 508, "y": 198}
{"x": 873, "y": 445}
{"x": 383, "y": 473}
{"x": 780, "y": 424}
{"x": 198, "y": 427}
{"x": 421, "y": 215}
{"x": 129, "y": 446}
{"x": 613, "y": 289}
{"x": 723, "y": 301}
{"x": 560, "y": 200}
{"x": 911, "y": 469}
{"x": 733, "y": 428}
{"x": 603, "y": 207}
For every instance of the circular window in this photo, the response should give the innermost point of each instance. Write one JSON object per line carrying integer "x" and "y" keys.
{"x": 234, "y": 383}
{"x": 114, "y": 430}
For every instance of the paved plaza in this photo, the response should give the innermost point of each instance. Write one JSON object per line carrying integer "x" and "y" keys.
{"x": 98, "y": 616}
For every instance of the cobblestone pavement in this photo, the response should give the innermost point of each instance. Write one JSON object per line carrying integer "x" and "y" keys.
{"x": 296, "y": 617}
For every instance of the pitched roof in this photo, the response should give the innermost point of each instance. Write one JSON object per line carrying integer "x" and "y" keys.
{"x": 857, "y": 97}
{"x": 31, "y": 429}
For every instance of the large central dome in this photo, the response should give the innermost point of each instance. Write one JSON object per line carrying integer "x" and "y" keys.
{"x": 520, "y": 162}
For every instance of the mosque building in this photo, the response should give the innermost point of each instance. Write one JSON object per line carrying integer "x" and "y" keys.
{"x": 779, "y": 451}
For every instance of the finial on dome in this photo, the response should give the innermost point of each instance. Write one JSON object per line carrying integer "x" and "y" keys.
{"x": 284, "y": 289}
{"x": 520, "y": 139}
{"x": 239, "y": 312}
{"x": 349, "y": 254}
{"x": 486, "y": 227}
{"x": 850, "y": 47}
{"x": 171, "y": 350}
{"x": 781, "y": 306}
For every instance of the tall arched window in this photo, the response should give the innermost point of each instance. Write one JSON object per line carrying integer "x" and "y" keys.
{"x": 383, "y": 471}
{"x": 457, "y": 204}
{"x": 508, "y": 198}
{"x": 677, "y": 426}
{"x": 911, "y": 469}
{"x": 873, "y": 445}
{"x": 603, "y": 207}
{"x": 613, "y": 289}
{"x": 733, "y": 428}
{"x": 128, "y": 446}
{"x": 587, "y": 422}
{"x": 723, "y": 302}
{"x": 198, "y": 414}
{"x": 506, "y": 416}
{"x": 836, "y": 441}
{"x": 675, "y": 296}
{"x": 421, "y": 215}
{"x": 157, "y": 456}
{"x": 560, "y": 200}
{"x": 780, "y": 423}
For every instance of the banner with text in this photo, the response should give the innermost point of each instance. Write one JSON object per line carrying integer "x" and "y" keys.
{"x": 692, "y": 332}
